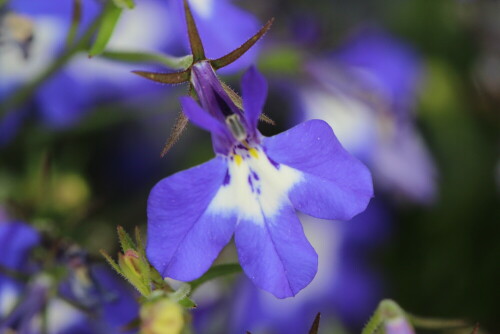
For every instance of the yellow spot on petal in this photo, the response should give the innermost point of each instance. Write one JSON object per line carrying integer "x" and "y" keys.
{"x": 238, "y": 159}
{"x": 253, "y": 152}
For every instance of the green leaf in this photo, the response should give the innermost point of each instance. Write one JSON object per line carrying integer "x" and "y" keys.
{"x": 176, "y": 63}
{"x": 106, "y": 28}
{"x": 124, "y": 4}
{"x": 214, "y": 272}
{"x": 125, "y": 241}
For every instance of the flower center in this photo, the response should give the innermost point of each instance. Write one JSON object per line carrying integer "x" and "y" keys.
{"x": 255, "y": 186}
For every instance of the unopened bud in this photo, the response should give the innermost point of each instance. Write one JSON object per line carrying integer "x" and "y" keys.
{"x": 163, "y": 316}
{"x": 130, "y": 266}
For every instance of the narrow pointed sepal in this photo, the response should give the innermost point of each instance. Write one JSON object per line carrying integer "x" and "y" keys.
{"x": 315, "y": 326}
{"x": 194, "y": 37}
{"x": 180, "y": 124}
{"x": 167, "y": 78}
{"x": 235, "y": 54}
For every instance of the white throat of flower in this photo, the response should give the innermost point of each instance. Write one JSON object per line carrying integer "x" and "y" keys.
{"x": 255, "y": 187}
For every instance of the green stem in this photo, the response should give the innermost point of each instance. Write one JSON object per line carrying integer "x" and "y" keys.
{"x": 214, "y": 272}
{"x": 16, "y": 99}
{"x": 435, "y": 323}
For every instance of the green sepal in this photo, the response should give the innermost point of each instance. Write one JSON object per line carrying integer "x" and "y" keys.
{"x": 176, "y": 63}
{"x": 235, "y": 54}
{"x": 126, "y": 241}
{"x": 194, "y": 37}
{"x": 107, "y": 25}
{"x": 168, "y": 78}
{"x": 124, "y": 4}
{"x": 315, "y": 326}
{"x": 215, "y": 272}
{"x": 187, "y": 303}
{"x": 181, "y": 293}
{"x": 239, "y": 103}
{"x": 111, "y": 262}
{"x": 180, "y": 125}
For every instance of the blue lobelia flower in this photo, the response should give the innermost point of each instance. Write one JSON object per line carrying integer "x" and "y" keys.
{"x": 28, "y": 290}
{"x": 251, "y": 188}
{"x": 367, "y": 92}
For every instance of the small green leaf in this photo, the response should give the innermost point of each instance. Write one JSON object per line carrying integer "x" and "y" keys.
{"x": 214, "y": 272}
{"x": 124, "y": 4}
{"x": 106, "y": 28}
{"x": 125, "y": 241}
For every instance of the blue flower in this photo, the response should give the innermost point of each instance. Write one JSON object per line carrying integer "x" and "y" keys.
{"x": 367, "y": 92}
{"x": 105, "y": 303}
{"x": 251, "y": 189}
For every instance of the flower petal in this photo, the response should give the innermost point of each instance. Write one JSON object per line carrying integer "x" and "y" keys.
{"x": 275, "y": 253}
{"x": 200, "y": 117}
{"x": 335, "y": 184}
{"x": 254, "y": 91}
{"x": 184, "y": 234}
{"x": 17, "y": 240}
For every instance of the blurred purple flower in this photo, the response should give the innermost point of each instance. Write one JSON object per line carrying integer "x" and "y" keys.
{"x": 367, "y": 91}
{"x": 251, "y": 188}
{"x": 345, "y": 287}
{"x": 22, "y": 302}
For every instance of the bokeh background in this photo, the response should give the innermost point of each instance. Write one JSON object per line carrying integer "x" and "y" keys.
{"x": 412, "y": 88}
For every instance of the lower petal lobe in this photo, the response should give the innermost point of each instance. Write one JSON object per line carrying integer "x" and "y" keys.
{"x": 335, "y": 184}
{"x": 276, "y": 255}
{"x": 184, "y": 235}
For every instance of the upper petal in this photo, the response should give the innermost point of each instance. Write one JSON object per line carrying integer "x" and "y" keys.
{"x": 185, "y": 234}
{"x": 335, "y": 185}
{"x": 275, "y": 253}
{"x": 254, "y": 91}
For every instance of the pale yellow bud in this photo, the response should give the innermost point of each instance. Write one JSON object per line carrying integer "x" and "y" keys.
{"x": 162, "y": 317}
